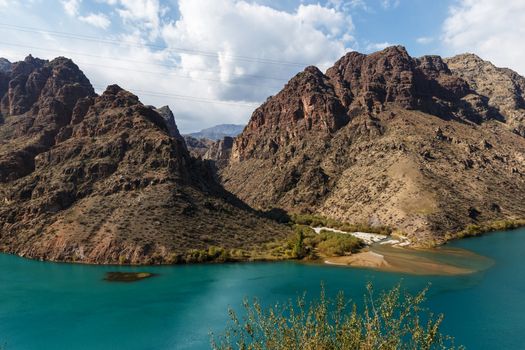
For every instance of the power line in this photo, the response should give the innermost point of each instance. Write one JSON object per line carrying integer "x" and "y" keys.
{"x": 132, "y": 61}
{"x": 159, "y": 47}
{"x": 177, "y": 75}
{"x": 184, "y": 97}
{"x": 174, "y": 96}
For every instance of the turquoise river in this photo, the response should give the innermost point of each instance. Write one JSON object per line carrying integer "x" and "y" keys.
{"x": 67, "y": 306}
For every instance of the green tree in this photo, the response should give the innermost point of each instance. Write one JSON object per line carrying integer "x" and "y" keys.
{"x": 298, "y": 250}
{"x": 394, "y": 320}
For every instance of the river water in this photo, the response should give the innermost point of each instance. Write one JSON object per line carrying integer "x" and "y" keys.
{"x": 67, "y": 306}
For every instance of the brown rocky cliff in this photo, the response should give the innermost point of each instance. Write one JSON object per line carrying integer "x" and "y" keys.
{"x": 504, "y": 88}
{"x": 36, "y": 107}
{"x": 102, "y": 180}
{"x": 410, "y": 153}
{"x": 197, "y": 147}
{"x": 308, "y": 103}
{"x": 220, "y": 151}
{"x": 33, "y": 82}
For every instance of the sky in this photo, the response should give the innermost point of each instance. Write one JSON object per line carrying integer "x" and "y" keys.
{"x": 215, "y": 61}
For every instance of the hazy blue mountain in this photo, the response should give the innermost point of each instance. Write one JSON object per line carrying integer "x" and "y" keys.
{"x": 217, "y": 132}
{"x": 5, "y": 65}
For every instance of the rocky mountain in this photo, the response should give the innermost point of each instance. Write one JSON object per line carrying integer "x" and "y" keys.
{"x": 218, "y": 132}
{"x": 5, "y": 65}
{"x": 198, "y": 147}
{"x": 504, "y": 88}
{"x": 220, "y": 151}
{"x": 105, "y": 179}
{"x": 424, "y": 145}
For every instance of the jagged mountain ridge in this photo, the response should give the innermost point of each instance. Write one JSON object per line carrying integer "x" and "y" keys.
{"x": 99, "y": 179}
{"x": 504, "y": 88}
{"x": 387, "y": 139}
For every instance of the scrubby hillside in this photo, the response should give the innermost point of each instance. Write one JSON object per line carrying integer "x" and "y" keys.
{"x": 105, "y": 179}
{"x": 388, "y": 139}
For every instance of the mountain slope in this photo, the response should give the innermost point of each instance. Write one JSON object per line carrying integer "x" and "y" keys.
{"x": 383, "y": 139}
{"x": 99, "y": 179}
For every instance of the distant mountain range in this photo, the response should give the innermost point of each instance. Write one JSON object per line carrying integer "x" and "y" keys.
{"x": 218, "y": 132}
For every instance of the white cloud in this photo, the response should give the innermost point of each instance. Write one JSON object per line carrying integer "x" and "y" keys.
{"x": 145, "y": 13}
{"x": 71, "y": 6}
{"x": 387, "y": 4}
{"x": 377, "y": 46}
{"x": 230, "y": 33}
{"x": 98, "y": 20}
{"x": 424, "y": 40}
{"x": 348, "y": 4}
{"x": 312, "y": 34}
{"x": 491, "y": 29}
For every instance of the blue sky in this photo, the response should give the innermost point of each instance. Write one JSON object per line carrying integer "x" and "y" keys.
{"x": 214, "y": 61}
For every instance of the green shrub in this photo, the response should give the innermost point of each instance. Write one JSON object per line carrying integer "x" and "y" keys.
{"x": 337, "y": 244}
{"x": 305, "y": 243}
{"x": 298, "y": 250}
{"x": 391, "y": 321}
{"x": 475, "y": 230}
{"x": 308, "y": 220}
{"x": 212, "y": 254}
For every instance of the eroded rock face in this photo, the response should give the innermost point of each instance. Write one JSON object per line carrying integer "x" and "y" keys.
{"x": 197, "y": 147}
{"x": 34, "y": 82}
{"x": 166, "y": 113}
{"x": 103, "y": 179}
{"x": 307, "y": 104}
{"x": 387, "y": 139}
{"x": 220, "y": 151}
{"x": 38, "y": 99}
{"x": 504, "y": 88}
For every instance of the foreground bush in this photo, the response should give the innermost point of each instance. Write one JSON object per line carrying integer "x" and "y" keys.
{"x": 391, "y": 321}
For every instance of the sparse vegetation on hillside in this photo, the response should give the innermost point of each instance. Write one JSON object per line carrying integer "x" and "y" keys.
{"x": 474, "y": 230}
{"x": 394, "y": 320}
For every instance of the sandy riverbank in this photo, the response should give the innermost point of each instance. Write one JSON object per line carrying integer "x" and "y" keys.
{"x": 412, "y": 261}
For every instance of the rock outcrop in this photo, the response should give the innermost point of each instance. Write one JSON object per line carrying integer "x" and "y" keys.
{"x": 220, "y": 151}
{"x": 105, "y": 179}
{"x": 166, "y": 113}
{"x": 504, "y": 88}
{"x": 197, "y": 147}
{"x": 418, "y": 144}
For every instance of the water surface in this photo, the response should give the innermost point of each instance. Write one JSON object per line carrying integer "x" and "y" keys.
{"x": 65, "y": 306}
